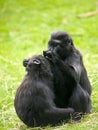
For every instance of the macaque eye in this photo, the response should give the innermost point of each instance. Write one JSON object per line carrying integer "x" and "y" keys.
{"x": 37, "y": 62}
{"x": 68, "y": 42}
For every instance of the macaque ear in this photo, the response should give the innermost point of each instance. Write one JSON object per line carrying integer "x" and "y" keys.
{"x": 37, "y": 62}
{"x": 25, "y": 62}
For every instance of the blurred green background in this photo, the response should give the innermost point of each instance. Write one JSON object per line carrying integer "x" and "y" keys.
{"x": 25, "y": 27}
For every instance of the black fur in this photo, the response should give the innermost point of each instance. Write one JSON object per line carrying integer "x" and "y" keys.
{"x": 34, "y": 100}
{"x": 71, "y": 83}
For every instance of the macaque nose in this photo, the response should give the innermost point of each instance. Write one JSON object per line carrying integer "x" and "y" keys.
{"x": 25, "y": 62}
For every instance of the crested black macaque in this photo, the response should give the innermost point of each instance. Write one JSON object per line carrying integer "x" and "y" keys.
{"x": 34, "y": 100}
{"x": 71, "y": 84}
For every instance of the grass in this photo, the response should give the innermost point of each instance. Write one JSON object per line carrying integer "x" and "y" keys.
{"x": 25, "y": 28}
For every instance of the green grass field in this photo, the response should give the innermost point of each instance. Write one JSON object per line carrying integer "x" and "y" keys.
{"x": 25, "y": 27}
